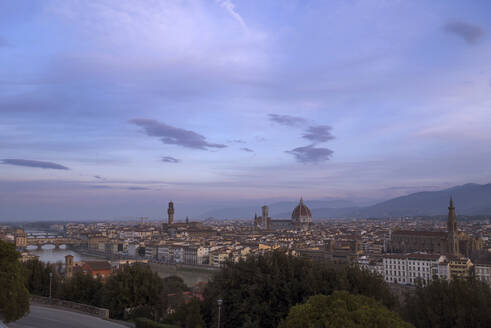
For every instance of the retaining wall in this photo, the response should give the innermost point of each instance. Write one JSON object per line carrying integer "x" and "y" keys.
{"x": 89, "y": 309}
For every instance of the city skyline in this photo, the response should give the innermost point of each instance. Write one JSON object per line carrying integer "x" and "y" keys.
{"x": 113, "y": 108}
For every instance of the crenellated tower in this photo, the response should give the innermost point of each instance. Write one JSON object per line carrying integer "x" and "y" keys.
{"x": 453, "y": 240}
{"x": 170, "y": 213}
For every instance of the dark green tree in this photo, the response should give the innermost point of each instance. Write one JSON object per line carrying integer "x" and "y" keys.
{"x": 457, "y": 303}
{"x": 259, "y": 291}
{"x": 37, "y": 278}
{"x": 342, "y": 310}
{"x": 134, "y": 290}
{"x": 14, "y": 297}
{"x": 83, "y": 288}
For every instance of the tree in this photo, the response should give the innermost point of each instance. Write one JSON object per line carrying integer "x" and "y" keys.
{"x": 83, "y": 288}
{"x": 136, "y": 290}
{"x": 37, "y": 278}
{"x": 14, "y": 297}
{"x": 456, "y": 303}
{"x": 259, "y": 291}
{"x": 342, "y": 309}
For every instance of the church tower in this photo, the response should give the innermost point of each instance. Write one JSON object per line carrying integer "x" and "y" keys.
{"x": 170, "y": 213}
{"x": 453, "y": 241}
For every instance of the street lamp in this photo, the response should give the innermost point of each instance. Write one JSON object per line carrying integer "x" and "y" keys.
{"x": 50, "y": 278}
{"x": 219, "y": 302}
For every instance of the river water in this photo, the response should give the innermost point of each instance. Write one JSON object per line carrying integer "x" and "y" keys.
{"x": 48, "y": 253}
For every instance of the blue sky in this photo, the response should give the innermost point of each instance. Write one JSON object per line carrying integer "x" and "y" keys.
{"x": 112, "y": 108}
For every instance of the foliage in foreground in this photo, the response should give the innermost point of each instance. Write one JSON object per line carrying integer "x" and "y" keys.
{"x": 14, "y": 297}
{"x": 342, "y": 310}
{"x": 457, "y": 303}
{"x": 147, "y": 323}
{"x": 259, "y": 291}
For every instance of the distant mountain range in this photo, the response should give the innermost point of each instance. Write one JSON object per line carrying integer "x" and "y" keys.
{"x": 469, "y": 199}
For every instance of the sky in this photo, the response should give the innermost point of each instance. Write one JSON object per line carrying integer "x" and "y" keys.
{"x": 111, "y": 108}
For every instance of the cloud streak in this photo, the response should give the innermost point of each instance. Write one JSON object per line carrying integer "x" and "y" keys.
{"x": 229, "y": 6}
{"x": 287, "y": 120}
{"x": 170, "y": 159}
{"x": 310, "y": 154}
{"x": 470, "y": 33}
{"x": 318, "y": 133}
{"x": 32, "y": 163}
{"x": 175, "y": 136}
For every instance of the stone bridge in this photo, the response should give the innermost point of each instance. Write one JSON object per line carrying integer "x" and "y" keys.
{"x": 39, "y": 242}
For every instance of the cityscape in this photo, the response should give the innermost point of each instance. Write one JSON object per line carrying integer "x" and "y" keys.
{"x": 242, "y": 163}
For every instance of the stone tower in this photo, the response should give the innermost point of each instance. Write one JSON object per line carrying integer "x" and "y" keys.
{"x": 453, "y": 241}
{"x": 170, "y": 213}
{"x": 68, "y": 266}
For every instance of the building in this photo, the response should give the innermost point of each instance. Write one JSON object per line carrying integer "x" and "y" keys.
{"x": 459, "y": 267}
{"x": 301, "y": 216}
{"x": 301, "y": 219}
{"x": 97, "y": 268}
{"x": 482, "y": 271}
{"x": 451, "y": 242}
{"x": 20, "y": 238}
{"x": 68, "y": 266}
{"x": 263, "y": 222}
{"x": 413, "y": 269}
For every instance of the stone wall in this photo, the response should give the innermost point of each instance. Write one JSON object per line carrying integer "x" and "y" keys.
{"x": 89, "y": 309}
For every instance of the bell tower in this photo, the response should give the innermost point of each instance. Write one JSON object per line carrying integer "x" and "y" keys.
{"x": 170, "y": 213}
{"x": 453, "y": 241}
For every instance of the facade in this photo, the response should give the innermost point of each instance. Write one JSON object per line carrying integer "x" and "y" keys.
{"x": 451, "y": 242}
{"x": 412, "y": 269}
{"x": 459, "y": 267}
{"x": 20, "y": 238}
{"x": 68, "y": 266}
{"x": 482, "y": 271}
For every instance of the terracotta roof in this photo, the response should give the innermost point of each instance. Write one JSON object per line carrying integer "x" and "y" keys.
{"x": 420, "y": 233}
{"x": 301, "y": 211}
{"x": 98, "y": 265}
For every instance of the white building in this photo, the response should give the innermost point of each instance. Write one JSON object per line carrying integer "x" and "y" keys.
{"x": 409, "y": 269}
{"x": 482, "y": 270}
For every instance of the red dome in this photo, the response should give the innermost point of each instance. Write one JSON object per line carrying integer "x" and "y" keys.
{"x": 301, "y": 213}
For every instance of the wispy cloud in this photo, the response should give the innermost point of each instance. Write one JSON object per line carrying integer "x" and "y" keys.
{"x": 138, "y": 188}
{"x": 32, "y": 163}
{"x": 229, "y": 6}
{"x": 319, "y": 133}
{"x": 175, "y": 136}
{"x": 470, "y": 33}
{"x": 170, "y": 159}
{"x": 287, "y": 120}
{"x": 310, "y": 154}
{"x": 247, "y": 149}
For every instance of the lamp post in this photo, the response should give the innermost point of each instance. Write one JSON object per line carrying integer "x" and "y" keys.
{"x": 50, "y": 278}
{"x": 219, "y": 302}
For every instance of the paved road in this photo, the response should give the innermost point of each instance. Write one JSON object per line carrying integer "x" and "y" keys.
{"x": 46, "y": 317}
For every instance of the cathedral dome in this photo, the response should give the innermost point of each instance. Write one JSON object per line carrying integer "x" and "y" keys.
{"x": 301, "y": 213}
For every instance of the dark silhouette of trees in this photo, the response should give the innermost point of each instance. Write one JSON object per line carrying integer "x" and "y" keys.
{"x": 259, "y": 291}
{"x": 457, "y": 303}
{"x": 14, "y": 297}
{"x": 134, "y": 290}
{"x": 344, "y": 310}
{"x": 83, "y": 288}
{"x": 37, "y": 278}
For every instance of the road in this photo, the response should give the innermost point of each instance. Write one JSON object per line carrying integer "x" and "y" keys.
{"x": 47, "y": 317}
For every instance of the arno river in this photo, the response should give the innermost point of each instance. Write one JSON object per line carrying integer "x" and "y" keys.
{"x": 51, "y": 254}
